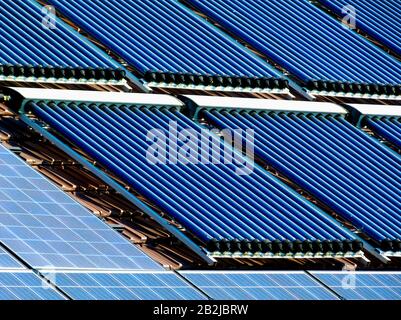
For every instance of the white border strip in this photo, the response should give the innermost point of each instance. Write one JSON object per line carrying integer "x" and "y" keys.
{"x": 285, "y": 91}
{"x": 44, "y": 80}
{"x": 354, "y": 95}
{"x": 108, "y": 271}
{"x": 355, "y": 272}
{"x": 98, "y": 97}
{"x": 183, "y": 272}
{"x": 266, "y": 104}
{"x": 377, "y": 109}
{"x": 16, "y": 271}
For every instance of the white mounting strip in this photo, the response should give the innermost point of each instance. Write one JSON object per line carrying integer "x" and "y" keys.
{"x": 355, "y": 272}
{"x": 217, "y": 88}
{"x": 377, "y": 109}
{"x": 354, "y": 95}
{"x": 391, "y": 254}
{"x": 245, "y": 272}
{"x": 13, "y": 270}
{"x": 318, "y": 255}
{"x": 44, "y": 80}
{"x": 108, "y": 271}
{"x": 266, "y": 104}
{"x": 98, "y": 97}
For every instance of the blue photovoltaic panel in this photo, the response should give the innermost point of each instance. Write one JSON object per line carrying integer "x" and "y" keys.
{"x": 166, "y": 37}
{"x": 47, "y": 228}
{"x": 25, "y": 285}
{"x": 379, "y": 19}
{"x": 339, "y": 164}
{"x": 362, "y": 285}
{"x": 163, "y": 285}
{"x": 7, "y": 261}
{"x": 31, "y": 47}
{"x": 258, "y": 285}
{"x": 308, "y": 43}
{"x": 218, "y": 205}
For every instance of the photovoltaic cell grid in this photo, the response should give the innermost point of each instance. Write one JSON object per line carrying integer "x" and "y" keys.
{"x": 125, "y": 286}
{"x": 363, "y": 285}
{"x": 48, "y": 229}
{"x": 25, "y": 285}
{"x": 8, "y": 262}
{"x": 231, "y": 285}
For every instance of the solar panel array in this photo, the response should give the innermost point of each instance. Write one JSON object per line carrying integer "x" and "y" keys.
{"x": 363, "y": 285}
{"x": 263, "y": 285}
{"x": 309, "y": 44}
{"x": 25, "y": 285}
{"x": 230, "y": 212}
{"x": 31, "y": 48}
{"x": 343, "y": 167}
{"x": 168, "y": 43}
{"x": 379, "y": 19}
{"x": 217, "y": 285}
{"x": 48, "y": 229}
{"x": 164, "y": 285}
{"x": 52, "y": 248}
